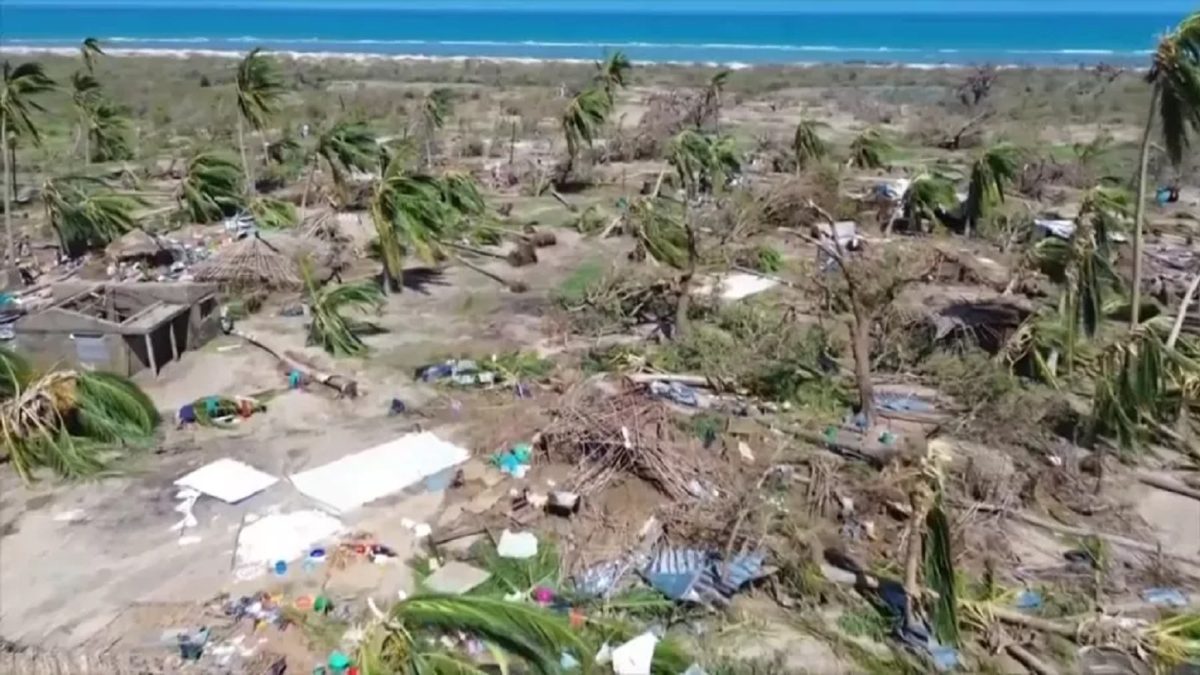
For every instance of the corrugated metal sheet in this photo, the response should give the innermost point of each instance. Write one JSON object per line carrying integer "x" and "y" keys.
{"x": 701, "y": 576}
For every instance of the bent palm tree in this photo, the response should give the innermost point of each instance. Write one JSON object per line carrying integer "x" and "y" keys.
{"x": 345, "y": 147}
{"x": 869, "y": 150}
{"x": 212, "y": 189}
{"x": 68, "y": 421}
{"x": 89, "y": 49}
{"x": 330, "y": 329}
{"x": 1174, "y": 79}
{"x": 258, "y": 88}
{"x": 703, "y": 163}
{"x": 86, "y": 214}
{"x": 437, "y": 106}
{"x": 610, "y": 75}
{"x": 85, "y": 94}
{"x": 586, "y": 112}
{"x": 807, "y": 144}
{"x": 409, "y": 217}
{"x": 927, "y": 196}
{"x": 711, "y": 103}
{"x": 991, "y": 173}
{"x": 273, "y": 214}
{"x": 108, "y": 133}
{"x": 18, "y": 89}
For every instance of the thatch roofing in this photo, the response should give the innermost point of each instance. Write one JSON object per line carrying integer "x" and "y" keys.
{"x": 133, "y": 244}
{"x": 264, "y": 260}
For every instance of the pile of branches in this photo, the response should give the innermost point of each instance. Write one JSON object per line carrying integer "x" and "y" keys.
{"x": 617, "y": 302}
{"x": 607, "y": 436}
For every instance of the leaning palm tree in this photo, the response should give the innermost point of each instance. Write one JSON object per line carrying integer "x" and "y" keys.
{"x": 1174, "y": 79}
{"x": 711, "y": 102}
{"x": 87, "y": 214}
{"x": 345, "y": 147}
{"x": 807, "y": 144}
{"x": 89, "y": 49}
{"x": 928, "y": 196}
{"x": 435, "y": 108}
{"x": 73, "y": 423}
{"x": 330, "y": 329}
{"x": 586, "y": 112}
{"x": 409, "y": 217}
{"x": 991, "y": 173}
{"x": 259, "y": 88}
{"x": 703, "y": 163}
{"x": 212, "y": 189}
{"x": 869, "y": 150}
{"x": 85, "y": 94}
{"x": 611, "y": 74}
{"x": 108, "y": 133}
{"x": 18, "y": 91}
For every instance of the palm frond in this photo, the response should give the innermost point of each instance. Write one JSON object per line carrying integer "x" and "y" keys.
{"x": 108, "y": 133}
{"x": 87, "y": 214}
{"x": 611, "y": 74}
{"x": 348, "y": 146}
{"x": 991, "y": 174}
{"x": 330, "y": 328}
{"x": 869, "y": 150}
{"x": 259, "y": 88}
{"x": 929, "y": 194}
{"x": 89, "y": 49}
{"x": 585, "y": 113}
{"x": 72, "y": 423}
{"x": 20, "y": 85}
{"x": 214, "y": 188}
{"x": 437, "y": 106}
{"x": 702, "y": 162}
{"x": 15, "y": 373}
{"x": 807, "y": 144}
{"x": 536, "y": 636}
{"x": 939, "y": 574}
{"x": 658, "y": 226}
{"x": 273, "y": 214}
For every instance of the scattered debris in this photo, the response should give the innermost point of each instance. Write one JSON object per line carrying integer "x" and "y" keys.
{"x": 456, "y": 578}
{"x": 280, "y": 536}
{"x": 517, "y": 545}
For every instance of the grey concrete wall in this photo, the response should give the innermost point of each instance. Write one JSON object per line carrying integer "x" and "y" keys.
{"x": 53, "y": 350}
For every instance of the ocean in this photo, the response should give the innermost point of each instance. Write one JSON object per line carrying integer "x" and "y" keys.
{"x": 732, "y": 38}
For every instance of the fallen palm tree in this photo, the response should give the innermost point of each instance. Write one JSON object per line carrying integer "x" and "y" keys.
{"x": 72, "y": 422}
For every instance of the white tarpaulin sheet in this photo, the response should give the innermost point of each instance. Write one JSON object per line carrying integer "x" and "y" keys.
{"x": 736, "y": 286}
{"x": 228, "y": 480}
{"x": 363, "y": 477}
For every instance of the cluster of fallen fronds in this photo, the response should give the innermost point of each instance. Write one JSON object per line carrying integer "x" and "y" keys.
{"x": 66, "y": 420}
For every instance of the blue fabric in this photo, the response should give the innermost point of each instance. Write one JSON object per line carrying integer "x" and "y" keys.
{"x": 187, "y": 414}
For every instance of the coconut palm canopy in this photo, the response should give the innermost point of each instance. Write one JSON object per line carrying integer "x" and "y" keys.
{"x": 86, "y": 213}
{"x": 703, "y": 163}
{"x": 259, "y": 88}
{"x": 991, "y": 174}
{"x": 346, "y": 147}
{"x": 89, "y": 49}
{"x": 17, "y": 103}
{"x": 73, "y": 423}
{"x": 929, "y": 194}
{"x": 581, "y": 121}
{"x": 330, "y": 328}
{"x": 214, "y": 188}
{"x": 807, "y": 144}
{"x": 869, "y": 150}
{"x": 611, "y": 73}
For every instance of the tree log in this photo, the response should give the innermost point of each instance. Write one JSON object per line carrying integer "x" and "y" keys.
{"x": 342, "y": 385}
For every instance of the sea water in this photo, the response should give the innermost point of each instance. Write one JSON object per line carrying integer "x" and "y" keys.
{"x": 724, "y": 32}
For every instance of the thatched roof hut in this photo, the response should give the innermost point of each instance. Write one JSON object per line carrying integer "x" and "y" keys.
{"x": 264, "y": 260}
